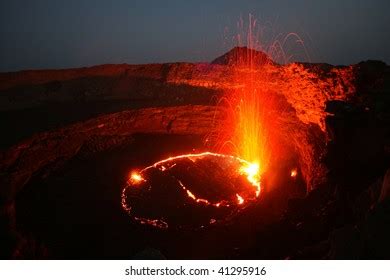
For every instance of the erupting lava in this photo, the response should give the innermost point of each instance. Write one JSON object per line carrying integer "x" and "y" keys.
{"x": 211, "y": 187}
{"x": 248, "y": 124}
{"x": 184, "y": 183}
{"x": 135, "y": 178}
{"x": 253, "y": 125}
{"x": 252, "y": 171}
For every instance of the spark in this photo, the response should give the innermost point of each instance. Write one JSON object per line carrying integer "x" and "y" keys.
{"x": 240, "y": 199}
{"x": 201, "y": 200}
{"x": 136, "y": 178}
{"x": 294, "y": 173}
{"x": 190, "y": 194}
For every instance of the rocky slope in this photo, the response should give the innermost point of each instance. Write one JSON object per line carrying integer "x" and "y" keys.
{"x": 306, "y": 87}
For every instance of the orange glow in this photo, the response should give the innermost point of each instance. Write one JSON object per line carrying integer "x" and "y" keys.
{"x": 259, "y": 124}
{"x": 136, "y": 178}
{"x": 240, "y": 199}
{"x": 248, "y": 124}
{"x": 257, "y": 108}
{"x": 246, "y": 130}
{"x": 190, "y": 194}
{"x": 294, "y": 173}
{"x": 262, "y": 109}
{"x": 250, "y": 170}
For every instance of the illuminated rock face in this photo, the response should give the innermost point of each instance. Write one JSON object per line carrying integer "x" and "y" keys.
{"x": 21, "y": 161}
{"x": 307, "y": 87}
{"x": 304, "y": 89}
{"x": 190, "y": 191}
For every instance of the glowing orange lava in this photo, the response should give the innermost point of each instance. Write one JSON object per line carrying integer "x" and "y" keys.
{"x": 294, "y": 173}
{"x": 135, "y": 178}
{"x": 250, "y": 135}
{"x": 155, "y": 194}
{"x": 248, "y": 125}
{"x": 240, "y": 199}
{"x": 250, "y": 170}
{"x": 252, "y": 128}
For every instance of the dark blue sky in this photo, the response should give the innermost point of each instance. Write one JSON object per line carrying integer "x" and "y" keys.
{"x": 39, "y": 34}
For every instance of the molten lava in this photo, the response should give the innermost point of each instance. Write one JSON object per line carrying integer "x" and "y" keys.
{"x": 209, "y": 186}
{"x": 293, "y": 173}
{"x": 135, "y": 178}
{"x": 255, "y": 125}
{"x": 253, "y": 175}
{"x": 249, "y": 124}
{"x": 260, "y": 124}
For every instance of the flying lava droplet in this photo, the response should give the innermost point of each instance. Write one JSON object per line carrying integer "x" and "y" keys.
{"x": 294, "y": 173}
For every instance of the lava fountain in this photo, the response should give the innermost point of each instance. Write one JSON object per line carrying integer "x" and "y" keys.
{"x": 255, "y": 124}
{"x": 251, "y": 124}
{"x": 195, "y": 190}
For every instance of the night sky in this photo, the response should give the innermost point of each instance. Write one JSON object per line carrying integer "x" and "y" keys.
{"x": 40, "y": 34}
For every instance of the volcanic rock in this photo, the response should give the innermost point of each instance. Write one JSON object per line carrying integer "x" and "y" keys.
{"x": 46, "y": 151}
{"x": 307, "y": 87}
{"x": 33, "y": 154}
{"x": 243, "y": 57}
{"x": 346, "y": 210}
